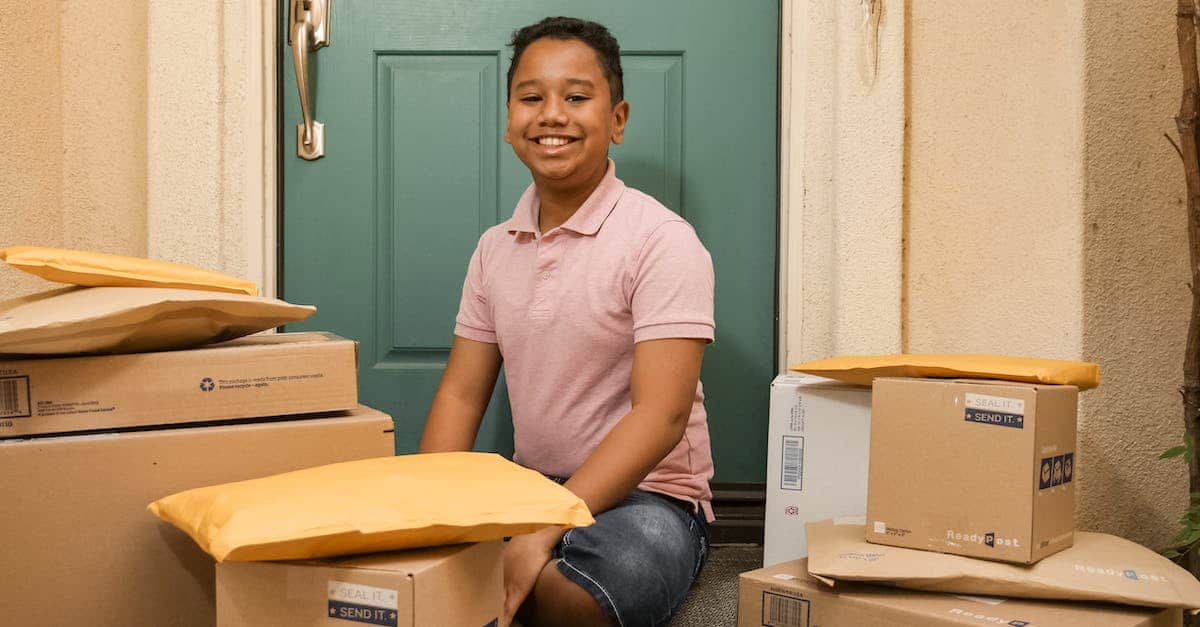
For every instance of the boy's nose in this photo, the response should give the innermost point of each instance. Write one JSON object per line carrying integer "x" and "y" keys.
{"x": 553, "y": 114}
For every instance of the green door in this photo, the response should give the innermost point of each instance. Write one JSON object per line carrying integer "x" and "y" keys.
{"x": 377, "y": 234}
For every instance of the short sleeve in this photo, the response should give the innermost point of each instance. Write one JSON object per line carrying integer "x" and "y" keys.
{"x": 672, "y": 295}
{"x": 474, "y": 319}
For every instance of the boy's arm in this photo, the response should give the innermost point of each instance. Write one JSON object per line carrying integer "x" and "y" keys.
{"x": 663, "y": 389}
{"x": 462, "y": 396}
{"x": 663, "y": 385}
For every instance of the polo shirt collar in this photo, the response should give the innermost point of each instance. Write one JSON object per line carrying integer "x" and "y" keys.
{"x": 586, "y": 220}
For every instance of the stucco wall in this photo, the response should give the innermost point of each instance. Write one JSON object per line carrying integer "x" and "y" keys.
{"x": 73, "y": 130}
{"x": 995, "y": 186}
{"x": 1043, "y": 217}
{"x": 31, "y": 133}
{"x": 142, "y": 138}
{"x": 1135, "y": 295}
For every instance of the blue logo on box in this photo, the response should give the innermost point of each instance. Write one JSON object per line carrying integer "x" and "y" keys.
{"x": 1056, "y": 471}
{"x": 1131, "y": 574}
{"x": 1044, "y": 473}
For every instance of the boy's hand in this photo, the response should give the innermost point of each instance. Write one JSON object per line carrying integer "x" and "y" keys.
{"x": 524, "y": 558}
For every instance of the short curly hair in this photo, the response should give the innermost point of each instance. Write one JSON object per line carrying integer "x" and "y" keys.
{"x": 594, "y": 35}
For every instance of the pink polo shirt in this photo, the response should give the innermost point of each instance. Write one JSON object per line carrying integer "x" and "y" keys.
{"x": 567, "y": 306}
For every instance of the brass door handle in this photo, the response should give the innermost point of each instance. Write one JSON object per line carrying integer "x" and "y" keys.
{"x": 308, "y": 31}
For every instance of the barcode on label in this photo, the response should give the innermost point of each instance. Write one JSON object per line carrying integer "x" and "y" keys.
{"x": 14, "y": 397}
{"x": 782, "y": 611}
{"x": 793, "y": 463}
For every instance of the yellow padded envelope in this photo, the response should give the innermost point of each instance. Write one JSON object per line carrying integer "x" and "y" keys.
{"x": 79, "y": 267}
{"x": 863, "y": 369}
{"x": 371, "y": 505}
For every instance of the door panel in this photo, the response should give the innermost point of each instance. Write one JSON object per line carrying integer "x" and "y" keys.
{"x": 378, "y": 233}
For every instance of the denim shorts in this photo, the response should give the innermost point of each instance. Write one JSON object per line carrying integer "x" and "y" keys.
{"x": 639, "y": 559}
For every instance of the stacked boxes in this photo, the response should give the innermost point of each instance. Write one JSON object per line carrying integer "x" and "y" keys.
{"x": 87, "y": 442}
{"x": 978, "y": 468}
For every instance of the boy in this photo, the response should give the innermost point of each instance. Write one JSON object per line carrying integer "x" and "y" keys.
{"x": 599, "y": 302}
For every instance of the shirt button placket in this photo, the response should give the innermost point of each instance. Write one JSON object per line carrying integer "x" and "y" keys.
{"x": 546, "y": 263}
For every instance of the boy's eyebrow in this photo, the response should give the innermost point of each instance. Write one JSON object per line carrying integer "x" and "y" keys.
{"x": 533, "y": 82}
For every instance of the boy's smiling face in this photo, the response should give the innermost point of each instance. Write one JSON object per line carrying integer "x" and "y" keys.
{"x": 560, "y": 114}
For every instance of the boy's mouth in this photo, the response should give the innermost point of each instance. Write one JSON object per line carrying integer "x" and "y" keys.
{"x": 553, "y": 140}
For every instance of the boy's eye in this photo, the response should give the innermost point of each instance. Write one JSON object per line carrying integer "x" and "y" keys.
{"x": 531, "y": 98}
{"x": 577, "y": 98}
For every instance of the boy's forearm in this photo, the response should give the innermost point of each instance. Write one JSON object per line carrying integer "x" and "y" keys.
{"x": 639, "y": 441}
{"x": 461, "y": 397}
{"x": 451, "y": 425}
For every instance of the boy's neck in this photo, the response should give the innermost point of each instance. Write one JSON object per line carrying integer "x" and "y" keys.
{"x": 559, "y": 202}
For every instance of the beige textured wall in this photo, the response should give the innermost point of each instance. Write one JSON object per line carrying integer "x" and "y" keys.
{"x": 147, "y": 137}
{"x": 1043, "y": 217}
{"x": 1135, "y": 295}
{"x": 995, "y": 185}
{"x": 31, "y": 133}
{"x": 74, "y": 129}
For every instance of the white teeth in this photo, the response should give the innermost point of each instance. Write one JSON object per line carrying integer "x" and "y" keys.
{"x": 553, "y": 141}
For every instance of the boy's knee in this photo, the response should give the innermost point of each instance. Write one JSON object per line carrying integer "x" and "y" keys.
{"x": 556, "y": 600}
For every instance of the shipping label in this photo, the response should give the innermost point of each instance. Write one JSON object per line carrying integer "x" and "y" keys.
{"x": 14, "y": 397}
{"x": 792, "y": 475}
{"x": 995, "y": 410}
{"x": 784, "y": 611}
{"x": 363, "y": 604}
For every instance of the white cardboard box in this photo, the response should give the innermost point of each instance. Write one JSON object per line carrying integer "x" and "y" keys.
{"x": 817, "y": 452}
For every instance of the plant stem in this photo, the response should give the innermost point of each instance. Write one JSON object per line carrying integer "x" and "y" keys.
{"x": 1186, "y": 122}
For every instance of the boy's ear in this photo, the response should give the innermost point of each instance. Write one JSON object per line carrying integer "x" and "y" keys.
{"x": 620, "y": 117}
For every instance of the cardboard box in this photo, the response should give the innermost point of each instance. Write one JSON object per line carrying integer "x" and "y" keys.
{"x": 817, "y": 451}
{"x": 79, "y": 546}
{"x": 785, "y": 596}
{"x": 252, "y": 377}
{"x": 977, "y": 468}
{"x": 455, "y": 585}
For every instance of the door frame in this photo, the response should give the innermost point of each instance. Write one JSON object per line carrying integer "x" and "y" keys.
{"x": 839, "y": 278}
